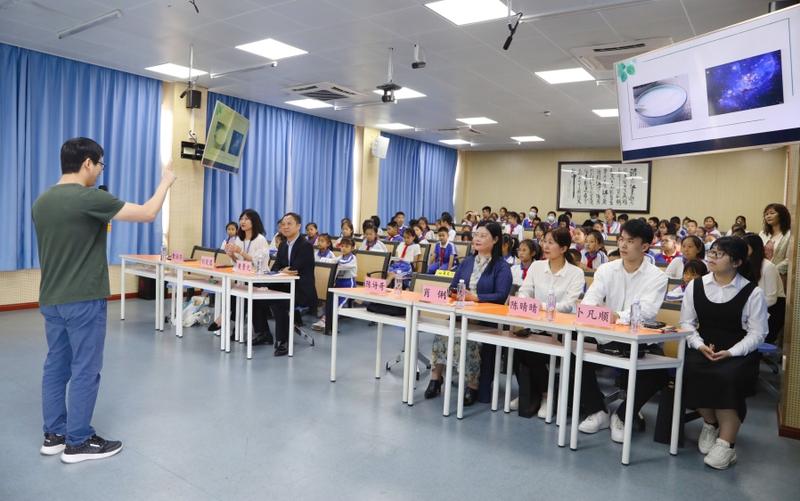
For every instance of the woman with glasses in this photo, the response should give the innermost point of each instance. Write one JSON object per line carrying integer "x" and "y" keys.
{"x": 727, "y": 312}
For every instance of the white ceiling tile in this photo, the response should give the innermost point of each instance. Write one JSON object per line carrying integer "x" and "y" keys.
{"x": 265, "y": 23}
{"x": 313, "y": 13}
{"x": 366, "y": 8}
{"x": 411, "y": 21}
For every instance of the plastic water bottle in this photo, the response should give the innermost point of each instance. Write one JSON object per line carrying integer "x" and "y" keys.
{"x": 398, "y": 284}
{"x": 259, "y": 262}
{"x": 461, "y": 294}
{"x": 163, "y": 253}
{"x": 550, "y": 305}
{"x": 636, "y": 316}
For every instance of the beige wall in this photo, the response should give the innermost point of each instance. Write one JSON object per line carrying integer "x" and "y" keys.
{"x": 21, "y": 287}
{"x": 722, "y": 185}
{"x": 369, "y": 176}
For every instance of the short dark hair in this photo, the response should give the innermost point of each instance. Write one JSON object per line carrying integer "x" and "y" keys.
{"x": 696, "y": 266}
{"x": 391, "y": 224}
{"x": 486, "y": 208}
{"x": 595, "y": 213}
{"x": 376, "y": 221}
{"x": 701, "y": 248}
{"x": 443, "y": 229}
{"x": 295, "y": 216}
{"x": 736, "y": 249}
{"x": 533, "y": 247}
{"x": 756, "y": 258}
{"x": 232, "y": 223}
{"x": 76, "y": 150}
{"x": 623, "y": 217}
{"x": 636, "y": 228}
{"x": 346, "y": 241}
{"x": 313, "y": 225}
{"x": 399, "y": 213}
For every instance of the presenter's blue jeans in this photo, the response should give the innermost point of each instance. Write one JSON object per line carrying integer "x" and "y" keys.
{"x": 76, "y": 334}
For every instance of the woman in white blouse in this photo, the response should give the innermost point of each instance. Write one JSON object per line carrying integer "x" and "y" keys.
{"x": 728, "y": 314}
{"x": 776, "y": 236}
{"x": 566, "y": 280}
{"x": 765, "y": 273}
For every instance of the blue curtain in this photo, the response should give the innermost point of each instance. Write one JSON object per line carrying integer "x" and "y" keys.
{"x": 437, "y": 173}
{"x": 321, "y": 170}
{"x": 46, "y": 100}
{"x": 315, "y": 153}
{"x": 416, "y": 178}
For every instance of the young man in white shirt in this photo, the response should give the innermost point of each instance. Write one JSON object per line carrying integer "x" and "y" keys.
{"x": 616, "y": 285}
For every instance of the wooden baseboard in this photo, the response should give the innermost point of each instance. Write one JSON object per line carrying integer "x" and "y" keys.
{"x": 30, "y": 306}
{"x": 787, "y": 431}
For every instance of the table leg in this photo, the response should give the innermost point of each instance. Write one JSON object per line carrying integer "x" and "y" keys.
{"x": 291, "y": 318}
{"x": 378, "y": 344}
{"x": 498, "y": 351}
{"x": 179, "y": 304}
{"x": 334, "y": 334}
{"x": 448, "y": 371}
{"x": 225, "y": 308}
{"x": 509, "y": 371}
{"x": 249, "y": 320}
{"x": 407, "y": 351}
{"x": 160, "y": 296}
{"x": 551, "y": 384}
{"x": 563, "y": 389}
{"x": 412, "y": 362}
{"x": 122, "y": 291}
{"x": 239, "y": 320}
{"x": 462, "y": 361}
{"x": 677, "y": 407}
{"x": 632, "y": 364}
{"x": 576, "y": 396}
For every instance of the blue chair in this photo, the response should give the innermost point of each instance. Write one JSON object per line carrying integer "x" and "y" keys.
{"x": 771, "y": 357}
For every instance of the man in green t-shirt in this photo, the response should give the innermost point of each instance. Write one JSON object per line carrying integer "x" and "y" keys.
{"x": 71, "y": 219}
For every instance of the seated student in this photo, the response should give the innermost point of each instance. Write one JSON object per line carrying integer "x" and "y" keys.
{"x": 444, "y": 253}
{"x": 347, "y": 232}
{"x": 509, "y": 249}
{"x": 664, "y": 228}
{"x": 346, "y": 273}
{"x": 539, "y": 232}
{"x": 669, "y": 249}
{"x": 324, "y": 253}
{"x": 691, "y": 248}
{"x": 487, "y": 279}
{"x": 466, "y": 234}
{"x": 600, "y": 228}
{"x": 513, "y": 227}
{"x": 528, "y": 252}
{"x": 371, "y": 242}
{"x": 653, "y": 221}
{"x": 683, "y": 228}
{"x": 564, "y": 221}
{"x": 486, "y": 213}
{"x": 376, "y": 221}
{"x": 617, "y": 285}
{"x": 765, "y": 273}
{"x": 728, "y": 314}
{"x": 528, "y": 223}
{"x": 276, "y": 243}
{"x": 312, "y": 232}
{"x": 711, "y": 226}
{"x": 551, "y": 221}
{"x": 400, "y": 219}
{"x": 232, "y": 229}
{"x": 578, "y": 238}
{"x": 406, "y": 256}
{"x": 611, "y": 226}
{"x": 571, "y": 224}
{"x": 391, "y": 232}
{"x": 594, "y": 216}
{"x": 622, "y": 219}
{"x": 428, "y": 233}
{"x": 614, "y": 255}
{"x": 594, "y": 255}
{"x": 573, "y": 256}
{"x": 448, "y": 223}
{"x": 737, "y": 231}
{"x": 503, "y": 215}
{"x": 559, "y": 274}
{"x": 691, "y": 270}
{"x": 419, "y": 233}
{"x": 741, "y": 223}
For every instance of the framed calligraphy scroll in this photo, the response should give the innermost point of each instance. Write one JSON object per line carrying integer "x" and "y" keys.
{"x": 602, "y": 184}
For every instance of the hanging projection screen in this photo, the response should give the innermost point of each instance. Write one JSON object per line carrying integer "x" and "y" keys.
{"x": 738, "y": 87}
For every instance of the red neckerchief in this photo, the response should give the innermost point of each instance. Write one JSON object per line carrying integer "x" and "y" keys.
{"x": 608, "y": 228}
{"x": 403, "y": 255}
{"x": 441, "y": 254}
{"x": 668, "y": 259}
{"x": 590, "y": 259}
{"x": 369, "y": 245}
{"x": 524, "y": 270}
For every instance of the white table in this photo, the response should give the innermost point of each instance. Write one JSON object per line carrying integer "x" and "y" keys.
{"x": 147, "y": 266}
{"x": 438, "y": 326}
{"x": 405, "y": 300}
{"x": 563, "y": 324}
{"x": 632, "y": 364}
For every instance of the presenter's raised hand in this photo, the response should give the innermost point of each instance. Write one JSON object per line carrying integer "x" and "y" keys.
{"x": 168, "y": 175}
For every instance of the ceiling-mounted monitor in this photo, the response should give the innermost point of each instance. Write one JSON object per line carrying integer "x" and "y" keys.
{"x": 737, "y": 87}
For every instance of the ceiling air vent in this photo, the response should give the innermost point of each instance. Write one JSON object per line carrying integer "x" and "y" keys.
{"x": 600, "y": 59}
{"x": 324, "y": 91}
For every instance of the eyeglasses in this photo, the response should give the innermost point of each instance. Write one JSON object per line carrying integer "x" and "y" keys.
{"x": 102, "y": 165}
{"x": 715, "y": 254}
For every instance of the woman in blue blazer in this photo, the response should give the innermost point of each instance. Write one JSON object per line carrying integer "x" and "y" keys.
{"x": 488, "y": 280}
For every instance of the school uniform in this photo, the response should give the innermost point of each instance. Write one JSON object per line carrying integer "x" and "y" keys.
{"x": 732, "y": 317}
{"x": 324, "y": 256}
{"x": 407, "y": 254}
{"x": 346, "y": 273}
{"x": 396, "y": 238}
{"x": 227, "y": 241}
{"x": 430, "y": 236}
{"x": 451, "y": 235}
{"x": 593, "y": 260}
{"x": 312, "y": 241}
{"x": 611, "y": 228}
{"x": 511, "y": 260}
{"x": 515, "y": 230}
{"x": 376, "y": 246}
{"x": 662, "y": 258}
{"x": 441, "y": 256}
{"x": 519, "y": 272}
{"x": 527, "y": 223}
{"x": 682, "y": 233}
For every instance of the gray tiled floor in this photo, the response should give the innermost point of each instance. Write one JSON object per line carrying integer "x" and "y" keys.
{"x": 198, "y": 424}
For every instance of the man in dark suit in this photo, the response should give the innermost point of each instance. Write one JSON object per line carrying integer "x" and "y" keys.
{"x": 295, "y": 256}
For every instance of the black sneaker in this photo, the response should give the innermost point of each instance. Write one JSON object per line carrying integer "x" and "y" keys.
{"x": 53, "y": 444}
{"x": 94, "y": 448}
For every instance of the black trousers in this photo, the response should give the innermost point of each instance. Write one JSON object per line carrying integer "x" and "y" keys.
{"x": 533, "y": 367}
{"x": 280, "y": 311}
{"x": 777, "y": 317}
{"x": 260, "y": 308}
{"x": 648, "y": 383}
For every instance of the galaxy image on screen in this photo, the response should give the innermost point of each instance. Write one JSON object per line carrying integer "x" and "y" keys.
{"x": 746, "y": 84}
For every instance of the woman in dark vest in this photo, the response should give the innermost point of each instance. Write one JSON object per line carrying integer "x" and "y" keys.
{"x": 728, "y": 314}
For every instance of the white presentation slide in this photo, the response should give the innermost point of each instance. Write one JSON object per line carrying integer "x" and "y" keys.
{"x": 737, "y": 87}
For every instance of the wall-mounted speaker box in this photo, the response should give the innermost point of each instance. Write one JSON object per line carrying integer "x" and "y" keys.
{"x": 380, "y": 146}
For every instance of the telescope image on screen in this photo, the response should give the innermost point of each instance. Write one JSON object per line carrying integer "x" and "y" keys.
{"x": 746, "y": 84}
{"x": 226, "y": 138}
